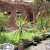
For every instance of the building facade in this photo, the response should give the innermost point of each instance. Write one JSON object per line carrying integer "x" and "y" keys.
{"x": 23, "y": 8}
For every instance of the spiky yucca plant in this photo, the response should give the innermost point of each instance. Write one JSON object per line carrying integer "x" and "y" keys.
{"x": 22, "y": 26}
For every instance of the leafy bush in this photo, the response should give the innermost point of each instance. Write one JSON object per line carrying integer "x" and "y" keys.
{"x": 3, "y": 19}
{"x": 8, "y": 37}
{"x": 23, "y": 26}
{"x": 32, "y": 30}
{"x": 41, "y": 23}
{"x": 48, "y": 29}
{"x": 3, "y": 38}
{"x": 2, "y": 29}
{"x": 48, "y": 22}
{"x": 36, "y": 39}
{"x": 44, "y": 37}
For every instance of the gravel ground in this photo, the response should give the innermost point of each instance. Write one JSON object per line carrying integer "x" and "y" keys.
{"x": 41, "y": 46}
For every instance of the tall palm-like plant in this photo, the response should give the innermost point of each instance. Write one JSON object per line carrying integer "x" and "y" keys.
{"x": 22, "y": 26}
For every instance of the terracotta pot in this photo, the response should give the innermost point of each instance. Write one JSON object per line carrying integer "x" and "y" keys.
{"x": 20, "y": 47}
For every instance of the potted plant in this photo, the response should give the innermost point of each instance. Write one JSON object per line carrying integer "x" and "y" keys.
{"x": 40, "y": 37}
{"x": 44, "y": 37}
{"x": 33, "y": 43}
{"x": 26, "y": 43}
{"x": 36, "y": 39}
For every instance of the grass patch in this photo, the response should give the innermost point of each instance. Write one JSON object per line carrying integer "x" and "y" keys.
{"x": 11, "y": 37}
{"x": 27, "y": 35}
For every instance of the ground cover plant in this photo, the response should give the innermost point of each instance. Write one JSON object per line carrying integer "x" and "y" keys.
{"x": 10, "y": 37}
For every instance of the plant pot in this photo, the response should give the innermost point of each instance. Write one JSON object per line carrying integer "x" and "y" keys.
{"x": 37, "y": 39}
{"x": 26, "y": 45}
{"x": 33, "y": 43}
{"x": 20, "y": 47}
{"x": 44, "y": 37}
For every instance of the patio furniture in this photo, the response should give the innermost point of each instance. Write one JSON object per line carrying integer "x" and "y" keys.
{"x": 47, "y": 46}
{"x": 7, "y": 46}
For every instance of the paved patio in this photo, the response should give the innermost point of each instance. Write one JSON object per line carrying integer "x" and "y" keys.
{"x": 40, "y": 46}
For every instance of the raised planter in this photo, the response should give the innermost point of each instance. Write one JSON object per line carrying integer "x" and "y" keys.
{"x": 26, "y": 43}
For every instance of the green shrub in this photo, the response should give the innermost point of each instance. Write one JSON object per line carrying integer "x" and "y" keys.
{"x": 48, "y": 22}
{"x": 3, "y": 19}
{"x": 36, "y": 39}
{"x": 48, "y": 29}
{"x": 2, "y": 29}
{"x": 23, "y": 26}
{"x": 3, "y": 38}
{"x": 41, "y": 23}
{"x": 32, "y": 30}
{"x": 8, "y": 37}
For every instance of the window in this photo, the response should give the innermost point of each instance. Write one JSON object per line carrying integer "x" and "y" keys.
{"x": 27, "y": 0}
{"x": 18, "y": 14}
{"x": 31, "y": 17}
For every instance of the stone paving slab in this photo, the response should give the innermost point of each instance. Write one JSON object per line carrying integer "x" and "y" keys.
{"x": 40, "y": 46}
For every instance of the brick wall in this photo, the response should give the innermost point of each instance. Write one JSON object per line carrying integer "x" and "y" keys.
{"x": 4, "y": 6}
{"x": 13, "y": 14}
